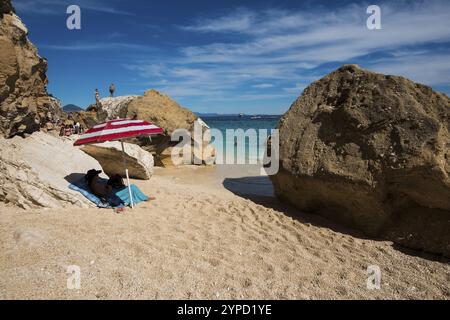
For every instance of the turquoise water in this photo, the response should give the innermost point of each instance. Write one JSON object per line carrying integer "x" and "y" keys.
{"x": 255, "y": 141}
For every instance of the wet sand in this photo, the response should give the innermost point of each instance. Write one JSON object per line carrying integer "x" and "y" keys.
{"x": 210, "y": 234}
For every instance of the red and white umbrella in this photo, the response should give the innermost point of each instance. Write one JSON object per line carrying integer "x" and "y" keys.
{"x": 117, "y": 130}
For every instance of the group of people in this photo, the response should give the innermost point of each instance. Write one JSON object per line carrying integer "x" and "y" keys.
{"x": 67, "y": 129}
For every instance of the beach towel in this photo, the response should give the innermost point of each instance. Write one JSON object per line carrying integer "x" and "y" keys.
{"x": 82, "y": 187}
{"x": 119, "y": 199}
{"x": 124, "y": 195}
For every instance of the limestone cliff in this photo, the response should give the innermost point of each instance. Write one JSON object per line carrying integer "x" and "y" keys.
{"x": 24, "y": 101}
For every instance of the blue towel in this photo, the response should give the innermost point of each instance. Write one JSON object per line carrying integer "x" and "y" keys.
{"x": 82, "y": 187}
{"x": 124, "y": 195}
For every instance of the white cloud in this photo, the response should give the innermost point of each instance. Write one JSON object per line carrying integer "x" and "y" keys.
{"x": 333, "y": 36}
{"x": 428, "y": 68}
{"x": 239, "y": 21}
{"x": 297, "y": 89}
{"x": 286, "y": 50}
{"x": 245, "y": 21}
{"x": 90, "y": 46}
{"x": 263, "y": 85}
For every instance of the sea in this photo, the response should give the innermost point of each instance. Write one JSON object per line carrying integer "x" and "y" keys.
{"x": 243, "y": 176}
{"x": 251, "y": 125}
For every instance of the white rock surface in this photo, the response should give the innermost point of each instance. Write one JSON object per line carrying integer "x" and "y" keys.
{"x": 114, "y": 105}
{"x": 140, "y": 162}
{"x": 36, "y": 171}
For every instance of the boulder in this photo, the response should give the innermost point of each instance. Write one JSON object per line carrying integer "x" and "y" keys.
{"x": 162, "y": 111}
{"x": 167, "y": 114}
{"x": 24, "y": 102}
{"x": 35, "y": 172}
{"x": 371, "y": 151}
{"x": 116, "y": 107}
{"x": 110, "y": 157}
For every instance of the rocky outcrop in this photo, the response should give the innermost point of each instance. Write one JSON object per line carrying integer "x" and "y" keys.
{"x": 371, "y": 151}
{"x": 161, "y": 110}
{"x": 153, "y": 107}
{"x": 87, "y": 119}
{"x": 110, "y": 108}
{"x": 116, "y": 107}
{"x": 110, "y": 157}
{"x": 6, "y": 7}
{"x": 35, "y": 172}
{"x": 24, "y": 102}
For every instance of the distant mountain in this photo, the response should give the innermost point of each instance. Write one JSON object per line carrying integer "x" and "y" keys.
{"x": 72, "y": 108}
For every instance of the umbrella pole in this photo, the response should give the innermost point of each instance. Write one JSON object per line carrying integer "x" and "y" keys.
{"x": 126, "y": 173}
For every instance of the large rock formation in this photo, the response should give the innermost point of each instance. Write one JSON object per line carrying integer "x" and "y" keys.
{"x": 36, "y": 171}
{"x": 371, "y": 151}
{"x": 111, "y": 158}
{"x": 24, "y": 102}
{"x": 165, "y": 113}
{"x": 161, "y": 110}
{"x": 154, "y": 107}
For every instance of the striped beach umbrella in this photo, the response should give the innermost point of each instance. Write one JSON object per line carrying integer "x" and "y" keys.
{"x": 117, "y": 130}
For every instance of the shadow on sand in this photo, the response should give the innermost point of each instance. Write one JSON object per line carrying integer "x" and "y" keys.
{"x": 259, "y": 189}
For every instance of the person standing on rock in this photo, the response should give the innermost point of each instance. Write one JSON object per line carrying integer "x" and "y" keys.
{"x": 97, "y": 97}
{"x": 98, "y": 104}
{"x": 112, "y": 89}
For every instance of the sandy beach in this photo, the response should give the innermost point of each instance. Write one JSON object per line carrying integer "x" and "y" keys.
{"x": 346, "y": 105}
{"x": 210, "y": 234}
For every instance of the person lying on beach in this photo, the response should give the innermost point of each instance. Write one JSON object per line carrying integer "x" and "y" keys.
{"x": 101, "y": 190}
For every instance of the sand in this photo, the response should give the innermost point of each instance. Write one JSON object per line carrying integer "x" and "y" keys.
{"x": 204, "y": 238}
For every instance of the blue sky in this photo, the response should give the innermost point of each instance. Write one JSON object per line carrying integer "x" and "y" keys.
{"x": 232, "y": 56}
